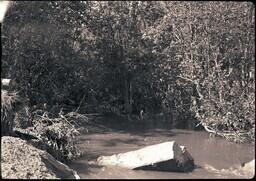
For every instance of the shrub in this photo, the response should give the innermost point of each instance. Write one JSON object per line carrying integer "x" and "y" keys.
{"x": 59, "y": 134}
{"x": 7, "y": 111}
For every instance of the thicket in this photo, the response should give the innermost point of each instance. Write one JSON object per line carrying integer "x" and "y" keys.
{"x": 189, "y": 60}
{"x": 57, "y": 135}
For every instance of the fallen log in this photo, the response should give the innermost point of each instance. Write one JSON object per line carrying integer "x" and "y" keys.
{"x": 167, "y": 156}
{"x": 61, "y": 170}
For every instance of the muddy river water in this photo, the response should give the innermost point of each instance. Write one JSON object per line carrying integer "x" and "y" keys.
{"x": 213, "y": 156}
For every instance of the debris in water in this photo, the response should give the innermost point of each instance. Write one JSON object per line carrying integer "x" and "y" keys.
{"x": 167, "y": 156}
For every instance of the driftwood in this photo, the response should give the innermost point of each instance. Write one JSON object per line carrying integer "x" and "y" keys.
{"x": 167, "y": 156}
{"x": 61, "y": 170}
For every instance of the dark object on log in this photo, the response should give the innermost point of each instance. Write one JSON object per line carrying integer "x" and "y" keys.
{"x": 168, "y": 156}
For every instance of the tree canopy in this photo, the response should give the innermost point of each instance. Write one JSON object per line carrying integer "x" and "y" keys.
{"x": 190, "y": 59}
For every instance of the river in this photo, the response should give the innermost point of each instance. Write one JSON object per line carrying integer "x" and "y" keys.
{"x": 213, "y": 156}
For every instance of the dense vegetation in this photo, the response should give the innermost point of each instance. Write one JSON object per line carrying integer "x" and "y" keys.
{"x": 187, "y": 60}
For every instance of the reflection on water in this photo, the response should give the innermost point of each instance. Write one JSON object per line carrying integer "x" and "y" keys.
{"x": 213, "y": 156}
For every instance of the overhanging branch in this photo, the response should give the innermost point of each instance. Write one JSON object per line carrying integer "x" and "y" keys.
{"x": 197, "y": 86}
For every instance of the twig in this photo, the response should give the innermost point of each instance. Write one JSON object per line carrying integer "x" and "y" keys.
{"x": 208, "y": 129}
{"x": 80, "y": 103}
{"x": 63, "y": 117}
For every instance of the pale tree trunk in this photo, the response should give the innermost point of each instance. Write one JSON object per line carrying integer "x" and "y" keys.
{"x": 127, "y": 97}
{"x": 130, "y": 96}
{"x": 167, "y": 156}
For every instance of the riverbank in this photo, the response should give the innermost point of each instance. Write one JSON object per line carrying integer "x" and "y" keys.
{"x": 214, "y": 157}
{"x": 21, "y": 160}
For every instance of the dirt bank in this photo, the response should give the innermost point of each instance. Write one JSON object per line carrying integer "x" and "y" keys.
{"x": 20, "y": 160}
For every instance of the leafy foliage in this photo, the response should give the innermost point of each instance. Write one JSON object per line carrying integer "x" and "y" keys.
{"x": 186, "y": 59}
